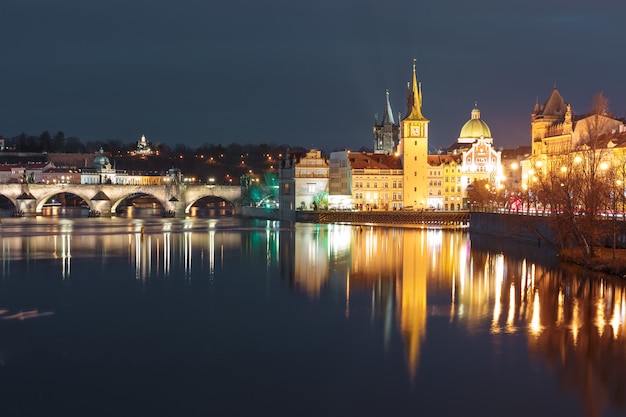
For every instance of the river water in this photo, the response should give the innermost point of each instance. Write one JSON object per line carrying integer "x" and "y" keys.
{"x": 232, "y": 317}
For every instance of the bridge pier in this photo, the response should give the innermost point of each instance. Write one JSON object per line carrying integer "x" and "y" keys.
{"x": 175, "y": 208}
{"x": 26, "y": 205}
{"x": 100, "y": 208}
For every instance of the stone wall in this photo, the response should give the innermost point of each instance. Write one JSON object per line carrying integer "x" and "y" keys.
{"x": 425, "y": 218}
{"x": 511, "y": 226}
{"x": 259, "y": 213}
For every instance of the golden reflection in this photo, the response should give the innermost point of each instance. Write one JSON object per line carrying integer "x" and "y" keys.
{"x": 510, "y": 319}
{"x": 600, "y": 322}
{"x": 616, "y": 320}
{"x": 499, "y": 281}
{"x": 412, "y": 295}
{"x": 575, "y": 323}
{"x": 535, "y": 322}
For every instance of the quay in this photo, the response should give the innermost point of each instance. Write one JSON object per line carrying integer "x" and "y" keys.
{"x": 459, "y": 219}
{"x": 444, "y": 219}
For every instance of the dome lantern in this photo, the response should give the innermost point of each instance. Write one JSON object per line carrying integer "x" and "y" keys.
{"x": 474, "y": 128}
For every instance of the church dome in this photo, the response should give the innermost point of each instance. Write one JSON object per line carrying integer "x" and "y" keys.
{"x": 474, "y": 128}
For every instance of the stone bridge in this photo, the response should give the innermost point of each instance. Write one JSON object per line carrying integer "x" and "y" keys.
{"x": 103, "y": 199}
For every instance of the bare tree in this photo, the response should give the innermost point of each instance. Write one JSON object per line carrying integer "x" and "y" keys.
{"x": 577, "y": 184}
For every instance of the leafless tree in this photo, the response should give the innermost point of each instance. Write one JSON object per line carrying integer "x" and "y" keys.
{"x": 578, "y": 183}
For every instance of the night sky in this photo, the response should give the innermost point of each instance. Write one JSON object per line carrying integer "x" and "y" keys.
{"x": 291, "y": 72}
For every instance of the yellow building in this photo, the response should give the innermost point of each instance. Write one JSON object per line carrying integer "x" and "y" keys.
{"x": 414, "y": 149}
{"x": 557, "y": 131}
{"x": 376, "y": 181}
{"x": 444, "y": 190}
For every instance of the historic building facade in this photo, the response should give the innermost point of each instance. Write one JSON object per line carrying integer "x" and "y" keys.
{"x": 556, "y": 132}
{"x": 303, "y": 182}
{"x": 376, "y": 181}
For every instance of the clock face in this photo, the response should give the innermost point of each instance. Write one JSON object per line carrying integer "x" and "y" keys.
{"x": 415, "y": 131}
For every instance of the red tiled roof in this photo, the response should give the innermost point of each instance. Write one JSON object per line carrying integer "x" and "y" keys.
{"x": 360, "y": 160}
{"x": 436, "y": 160}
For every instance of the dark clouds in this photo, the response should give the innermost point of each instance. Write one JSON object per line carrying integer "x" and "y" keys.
{"x": 303, "y": 73}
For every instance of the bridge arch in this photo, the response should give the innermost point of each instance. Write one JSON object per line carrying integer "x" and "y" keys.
{"x": 212, "y": 201}
{"x": 43, "y": 199}
{"x": 132, "y": 195}
{"x": 7, "y": 198}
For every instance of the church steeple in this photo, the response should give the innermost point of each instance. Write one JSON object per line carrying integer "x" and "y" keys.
{"x": 387, "y": 133}
{"x": 388, "y": 116}
{"x": 414, "y": 101}
{"x": 414, "y": 149}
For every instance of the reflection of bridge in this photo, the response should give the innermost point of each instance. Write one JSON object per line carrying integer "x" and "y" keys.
{"x": 104, "y": 199}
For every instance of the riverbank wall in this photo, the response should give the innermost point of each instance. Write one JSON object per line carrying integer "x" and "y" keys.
{"x": 533, "y": 229}
{"x": 423, "y": 218}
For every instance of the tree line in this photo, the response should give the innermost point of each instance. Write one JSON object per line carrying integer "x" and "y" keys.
{"x": 217, "y": 163}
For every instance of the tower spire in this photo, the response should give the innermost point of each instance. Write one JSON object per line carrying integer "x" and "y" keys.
{"x": 415, "y": 98}
{"x": 388, "y": 116}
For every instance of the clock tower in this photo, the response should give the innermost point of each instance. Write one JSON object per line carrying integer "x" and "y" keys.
{"x": 414, "y": 149}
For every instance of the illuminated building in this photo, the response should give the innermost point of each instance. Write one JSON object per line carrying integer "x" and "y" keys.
{"x": 143, "y": 147}
{"x": 414, "y": 149}
{"x": 512, "y": 168}
{"x": 103, "y": 172}
{"x": 61, "y": 176}
{"x": 376, "y": 181}
{"x": 443, "y": 191}
{"x": 303, "y": 179}
{"x": 557, "y": 131}
{"x": 340, "y": 181}
{"x": 479, "y": 161}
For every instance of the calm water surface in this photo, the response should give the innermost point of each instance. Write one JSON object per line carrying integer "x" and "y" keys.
{"x": 165, "y": 317}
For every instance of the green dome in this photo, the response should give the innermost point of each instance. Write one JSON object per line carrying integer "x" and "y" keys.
{"x": 100, "y": 161}
{"x": 475, "y": 128}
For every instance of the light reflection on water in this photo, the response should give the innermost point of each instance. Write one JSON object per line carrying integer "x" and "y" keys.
{"x": 423, "y": 290}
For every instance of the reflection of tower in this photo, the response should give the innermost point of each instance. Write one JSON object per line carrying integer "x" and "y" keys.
{"x": 412, "y": 295}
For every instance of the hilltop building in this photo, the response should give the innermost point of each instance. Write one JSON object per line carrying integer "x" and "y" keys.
{"x": 143, "y": 147}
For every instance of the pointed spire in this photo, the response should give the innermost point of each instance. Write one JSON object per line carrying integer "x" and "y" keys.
{"x": 388, "y": 115}
{"x": 415, "y": 98}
